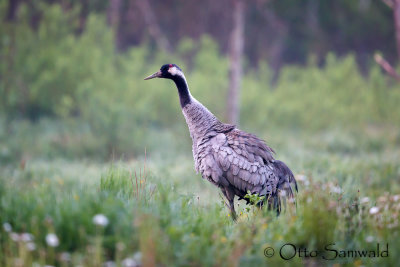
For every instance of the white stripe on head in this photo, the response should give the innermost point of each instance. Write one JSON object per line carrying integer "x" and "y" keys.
{"x": 175, "y": 71}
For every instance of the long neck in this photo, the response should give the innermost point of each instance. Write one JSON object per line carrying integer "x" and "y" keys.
{"x": 183, "y": 90}
{"x": 198, "y": 118}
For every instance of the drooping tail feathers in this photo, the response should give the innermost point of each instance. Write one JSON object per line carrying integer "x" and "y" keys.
{"x": 286, "y": 178}
{"x": 284, "y": 187}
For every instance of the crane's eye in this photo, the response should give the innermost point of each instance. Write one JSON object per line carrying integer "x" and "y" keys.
{"x": 170, "y": 65}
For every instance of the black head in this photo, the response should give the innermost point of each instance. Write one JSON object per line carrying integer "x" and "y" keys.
{"x": 167, "y": 71}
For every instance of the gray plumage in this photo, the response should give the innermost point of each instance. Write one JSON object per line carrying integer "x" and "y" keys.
{"x": 235, "y": 161}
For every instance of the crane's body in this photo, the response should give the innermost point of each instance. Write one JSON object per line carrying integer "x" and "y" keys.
{"x": 235, "y": 161}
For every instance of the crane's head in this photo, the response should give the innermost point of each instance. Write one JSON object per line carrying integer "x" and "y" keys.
{"x": 168, "y": 71}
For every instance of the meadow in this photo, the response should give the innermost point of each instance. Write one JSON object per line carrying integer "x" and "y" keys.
{"x": 96, "y": 166}
{"x": 157, "y": 210}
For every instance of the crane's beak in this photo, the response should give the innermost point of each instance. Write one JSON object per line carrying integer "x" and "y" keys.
{"x": 155, "y": 75}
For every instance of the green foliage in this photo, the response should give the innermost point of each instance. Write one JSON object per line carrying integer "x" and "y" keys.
{"x": 36, "y": 65}
{"x": 254, "y": 198}
{"x": 172, "y": 222}
{"x": 315, "y": 98}
{"x": 128, "y": 184}
{"x": 105, "y": 109}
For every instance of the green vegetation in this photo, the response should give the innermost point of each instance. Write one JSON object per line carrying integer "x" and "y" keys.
{"x": 99, "y": 104}
{"x": 76, "y": 118}
{"x": 167, "y": 214}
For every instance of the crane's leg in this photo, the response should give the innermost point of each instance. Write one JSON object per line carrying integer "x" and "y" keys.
{"x": 274, "y": 203}
{"x": 230, "y": 196}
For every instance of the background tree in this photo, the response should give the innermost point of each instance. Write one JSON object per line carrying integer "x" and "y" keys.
{"x": 235, "y": 58}
{"x": 395, "y": 5}
{"x": 396, "y": 16}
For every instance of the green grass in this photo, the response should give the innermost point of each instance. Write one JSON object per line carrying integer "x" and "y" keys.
{"x": 160, "y": 211}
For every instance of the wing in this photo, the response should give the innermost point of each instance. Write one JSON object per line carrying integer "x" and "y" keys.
{"x": 201, "y": 150}
{"x": 239, "y": 160}
{"x": 249, "y": 167}
{"x": 250, "y": 146}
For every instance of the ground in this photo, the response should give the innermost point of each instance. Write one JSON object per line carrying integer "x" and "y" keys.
{"x": 158, "y": 210}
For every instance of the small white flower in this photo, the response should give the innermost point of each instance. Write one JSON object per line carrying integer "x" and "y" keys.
{"x": 129, "y": 262}
{"x": 373, "y": 210}
{"x": 100, "y": 219}
{"x": 336, "y": 189}
{"x": 396, "y": 198}
{"x": 364, "y": 200}
{"x": 369, "y": 239}
{"x": 7, "y": 227}
{"x": 14, "y": 236}
{"x": 52, "y": 240}
{"x": 30, "y": 246}
{"x": 26, "y": 237}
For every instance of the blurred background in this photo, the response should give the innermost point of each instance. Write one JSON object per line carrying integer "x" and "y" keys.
{"x": 71, "y": 72}
{"x": 96, "y": 166}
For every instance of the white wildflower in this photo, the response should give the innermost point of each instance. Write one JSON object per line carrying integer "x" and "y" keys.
{"x": 7, "y": 227}
{"x": 14, "y": 237}
{"x": 100, "y": 219}
{"x": 336, "y": 189}
{"x": 364, "y": 200}
{"x": 369, "y": 239}
{"x": 129, "y": 262}
{"x": 396, "y": 198}
{"x": 373, "y": 210}
{"x": 52, "y": 240}
{"x": 26, "y": 237}
{"x": 30, "y": 246}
